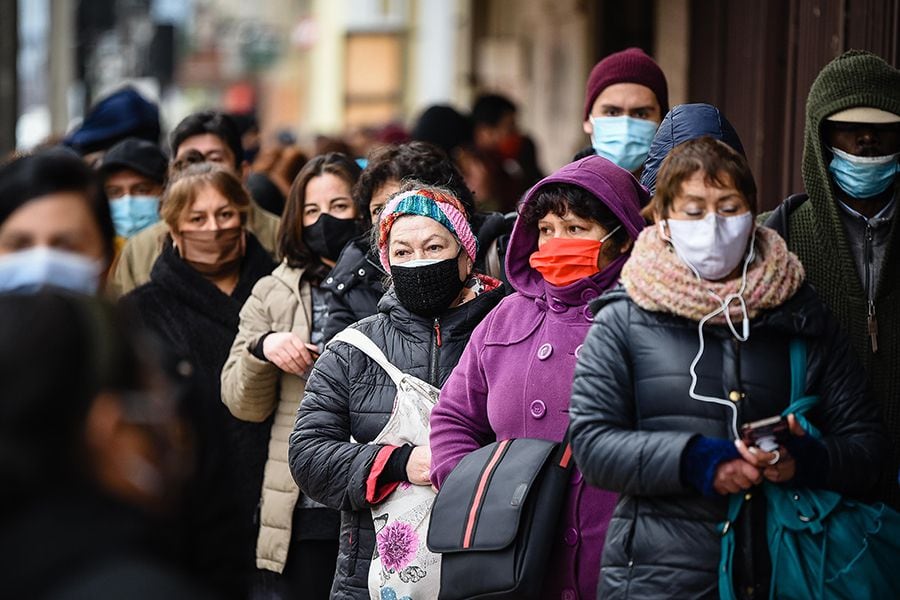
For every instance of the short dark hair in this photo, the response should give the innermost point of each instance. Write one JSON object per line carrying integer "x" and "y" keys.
{"x": 716, "y": 159}
{"x": 218, "y": 124}
{"x": 50, "y": 172}
{"x": 561, "y": 198}
{"x": 421, "y": 161}
{"x": 290, "y": 233}
{"x": 489, "y": 109}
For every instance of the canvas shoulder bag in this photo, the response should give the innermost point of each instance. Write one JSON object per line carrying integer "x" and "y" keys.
{"x": 402, "y": 567}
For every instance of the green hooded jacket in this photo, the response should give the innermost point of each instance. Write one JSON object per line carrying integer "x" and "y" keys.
{"x": 817, "y": 236}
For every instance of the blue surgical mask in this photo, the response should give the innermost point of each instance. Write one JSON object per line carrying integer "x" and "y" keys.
{"x": 27, "y": 271}
{"x": 131, "y": 214}
{"x": 623, "y": 140}
{"x": 863, "y": 176}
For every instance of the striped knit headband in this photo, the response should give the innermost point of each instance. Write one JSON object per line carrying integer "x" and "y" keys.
{"x": 444, "y": 209}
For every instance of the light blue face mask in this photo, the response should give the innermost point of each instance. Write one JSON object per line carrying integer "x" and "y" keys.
{"x": 863, "y": 176}
{"x": 27, "y": 271}
{"x": 623, "y": 140}
{"x": 130, "y": 214}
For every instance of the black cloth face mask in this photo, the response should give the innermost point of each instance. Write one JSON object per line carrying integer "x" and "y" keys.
{"x": 427, "y": 290}
{"x": 328, "y": 235}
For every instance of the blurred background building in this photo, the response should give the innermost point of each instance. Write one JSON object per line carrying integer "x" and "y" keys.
{"x": 332, "y": 67}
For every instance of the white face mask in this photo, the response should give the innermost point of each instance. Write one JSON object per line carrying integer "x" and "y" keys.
{"x": 713, "y": 246}
{"x": 27, "y": 271}
{"x": 418, "y": 262}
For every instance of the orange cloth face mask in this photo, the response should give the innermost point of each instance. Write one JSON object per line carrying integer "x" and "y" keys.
{"x": 562, "y": 261}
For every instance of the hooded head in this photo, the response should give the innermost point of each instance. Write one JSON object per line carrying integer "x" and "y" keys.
{"x": 855, "y": 79}
{"x": 683, "y": 123}
{"x": 612, "y": 186}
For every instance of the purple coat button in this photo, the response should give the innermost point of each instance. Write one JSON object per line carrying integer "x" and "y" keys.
{"x": 544, "y": 351}
{"x": 577, "y": 477}
{"x": 588, "y": 295}
{"x": 578, "y": 350}
{"x": 538, "y": 409}
{"x": 571, "y": 537}
{"x": 568, "y": 594}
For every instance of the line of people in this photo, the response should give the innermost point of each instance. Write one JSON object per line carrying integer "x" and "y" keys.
{"x": 212, "y": 440}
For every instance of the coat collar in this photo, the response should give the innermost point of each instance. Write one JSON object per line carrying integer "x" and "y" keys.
{"x": 188, "y": 286}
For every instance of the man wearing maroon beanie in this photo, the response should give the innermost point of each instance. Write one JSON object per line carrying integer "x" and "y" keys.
{"x": 625, "y": 100}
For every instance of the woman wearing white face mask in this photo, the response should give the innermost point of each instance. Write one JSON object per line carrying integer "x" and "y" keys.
{"x": 55, "y": 227}
{"x": 693, "y": 347}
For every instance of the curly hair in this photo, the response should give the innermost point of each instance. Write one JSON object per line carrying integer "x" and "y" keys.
{"x": 421, "y": 161}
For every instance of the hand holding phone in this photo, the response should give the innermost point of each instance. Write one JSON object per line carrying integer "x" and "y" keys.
{"x": 766, "y": 434}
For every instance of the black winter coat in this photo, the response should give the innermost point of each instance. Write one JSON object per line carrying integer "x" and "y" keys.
{"x": 81, "y": 543}
{"x": 632, "y": 418}
{"x": 354, "y": 286}
{"x": 197, "y": 322}
{"x": 347, "y": 394}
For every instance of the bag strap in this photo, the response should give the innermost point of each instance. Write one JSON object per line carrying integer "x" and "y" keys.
{"x": 800, "y": 404}
{"x": 361, "y": 342}
{"x": 564, "y": 454}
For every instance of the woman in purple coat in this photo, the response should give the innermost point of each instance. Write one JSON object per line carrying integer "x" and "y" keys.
{"x": 574, "y": 232}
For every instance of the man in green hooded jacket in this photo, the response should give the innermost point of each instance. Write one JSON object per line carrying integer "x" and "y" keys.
{"x": 845, "y": 228}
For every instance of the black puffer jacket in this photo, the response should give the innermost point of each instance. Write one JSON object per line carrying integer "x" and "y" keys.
{"x": 632, "y": 418}
{"x": 347, "y": 394}
{"x": 354, "y": 286}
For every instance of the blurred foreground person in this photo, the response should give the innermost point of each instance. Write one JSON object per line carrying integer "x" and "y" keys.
{"x": 55, "y": 226}
{"x": 92, "y": 455}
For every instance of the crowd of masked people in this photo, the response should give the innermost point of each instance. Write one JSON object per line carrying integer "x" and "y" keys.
{"x": 221, "y": 363}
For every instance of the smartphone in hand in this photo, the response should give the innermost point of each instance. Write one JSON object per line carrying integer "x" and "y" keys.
{"x": 766, "y": 434}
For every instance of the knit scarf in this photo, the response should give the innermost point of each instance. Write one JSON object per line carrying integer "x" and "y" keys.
{"x": 659, "y": 281}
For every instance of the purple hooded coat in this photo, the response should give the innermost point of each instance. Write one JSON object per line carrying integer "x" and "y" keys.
{"x": 514, "y": 378}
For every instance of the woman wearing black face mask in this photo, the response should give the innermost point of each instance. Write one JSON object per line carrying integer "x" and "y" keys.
{"x": 197, "y": 287}
{"x": 280, "y": 335}
{"x": 425, "y": 320}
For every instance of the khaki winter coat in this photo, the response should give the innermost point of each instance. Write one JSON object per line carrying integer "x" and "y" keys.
{"x": 133, "y": 264}
{"x": 252, "y": 389}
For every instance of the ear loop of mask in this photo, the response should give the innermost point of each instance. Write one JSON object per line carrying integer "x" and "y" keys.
{"x": 610, "y": 234}
{"x": 724, "y": 304}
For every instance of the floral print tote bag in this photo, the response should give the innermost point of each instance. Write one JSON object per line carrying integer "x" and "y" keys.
{"x": 402, "y": 567}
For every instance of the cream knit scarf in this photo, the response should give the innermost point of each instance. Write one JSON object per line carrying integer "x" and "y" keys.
{"x": 657, "y": 279}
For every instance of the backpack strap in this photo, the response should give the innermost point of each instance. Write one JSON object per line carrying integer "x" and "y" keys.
{"x": 361, "y": 342}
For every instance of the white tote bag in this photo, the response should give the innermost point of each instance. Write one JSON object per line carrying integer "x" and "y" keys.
{"x": 402, "y": 567}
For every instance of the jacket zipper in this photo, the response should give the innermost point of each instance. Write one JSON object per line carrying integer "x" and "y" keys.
{"x": 435, "y": 351}
{"x": 871, "y": 321}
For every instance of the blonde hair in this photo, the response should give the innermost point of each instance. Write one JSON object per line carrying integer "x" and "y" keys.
{"x": 186, "y": 184}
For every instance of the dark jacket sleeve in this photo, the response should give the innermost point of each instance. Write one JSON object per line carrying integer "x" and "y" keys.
{"x": 327, "y": 465}
{"x": 851, "y": 423}
{"x": 609, "y": 449}
{"x": 347, "y": 308}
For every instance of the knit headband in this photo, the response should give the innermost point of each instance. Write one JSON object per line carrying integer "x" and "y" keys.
{"x": 444, "y": 209}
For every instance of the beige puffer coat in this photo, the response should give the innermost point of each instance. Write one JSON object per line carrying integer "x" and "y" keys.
{"x": 252, "y": 389}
